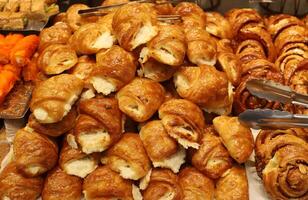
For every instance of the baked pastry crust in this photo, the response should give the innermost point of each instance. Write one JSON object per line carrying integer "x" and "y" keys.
{"x": 218, "y": 26}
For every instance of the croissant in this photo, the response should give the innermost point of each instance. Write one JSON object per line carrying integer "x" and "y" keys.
{"x": 163, "y": 184}
{"x": 74, "y": 162}
{"x": 52, "y": 99}
{"x": 205, "y": 86}
{"x": 163, "y": 150}
{"x": 281, "y": 160}
{"x": 212, "y": 158}
{"x": 115, "y": 68}
{"x": 34, "y": 153}
{"x": 56, "y": 58}
{"x": 13, "y": 185}
{"x": 232, "y": 185}
{"x": 195, "y": 185}
{"x": 59, "y": 33}
{"x": 103, "y": 183}
{"x": 201, "y": 47}
{"x": 58, "y": 184}
{"x": 183, "y": 121}
{"x": 237, "y": 138}
{"x": 74, "y": 19}
{"x": 99, "y": 124}
{"x": 128, "y": 157}
{"x": 83, "y": 69}
{"x": 167, "y": 47}
{"x": 55, "y": 129}
{"x": 218, "y": 26}
{"x": 134, "y": 24}
{"x": 231, "y": 65}
{"x": 140, "y": 99}
{"x": 92, "y": 37}
{"x": 249, "y": 50}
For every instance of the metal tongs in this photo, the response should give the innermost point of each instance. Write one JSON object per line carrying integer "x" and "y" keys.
{"x": 273, "y": 119}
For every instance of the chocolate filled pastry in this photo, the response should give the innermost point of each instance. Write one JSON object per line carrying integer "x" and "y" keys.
{"x": 57, "y": 58}
{"x": 99, "y": 124}
{"x": 34, "y": 153}
{"x": 115, "y": 68}
{"x": 103, "y": 183}
{"x": 183, "y": 121}
{"x": 92, "y": 37}
{"x": 74, "y": 19}
{"x": 141, "y": 98}
{"x": 212, "y": 158}
{"x": 59, "y": 184}
{"x": 237, "y": 138}
{"x": 298, "y": 80}
{"x": 282, "y": 162}
{"x": 15, "y": 186}
{"x": 218, "y": 26}
{"x": 249, "y": 50}
{"x": 168, "y": 47}
{"x": 232, "y": 185}
{"x": 205, "y": 86}
{"x": 195, "y": 185}
{"x": 59, "y": 33}
{"x": 83, "y": 69}
{"x": 53, "y": 98}
{"x": 163, "y": 184}
{"x": 162, "y": 149}
{"x": 134, "y": 24}
{"x": 73, "y": 161}
{"x": 201, "y": 47}
{"x": 128, "y": 157}
{"x": 55, "y": 129}
{"x": 231, "y": 65}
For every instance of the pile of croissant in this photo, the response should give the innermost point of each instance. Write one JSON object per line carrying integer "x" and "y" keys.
{"x": 130, "y": 105}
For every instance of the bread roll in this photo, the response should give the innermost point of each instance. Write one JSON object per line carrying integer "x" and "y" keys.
{"x": 163, "y": 150}
{"x": 237, "y": 138}
{"x": 128, "y": 157}
{"x": 34, "y": 153}
{"x": 140, "y": 99}
{"x": 115, "y": 68}
{"x": 99, "y": 124}
{"x": 13, "y": 185}
{"x": 183, "y": 120}
{"x": 195, "y": 185}
{"x": 58, "y": 185}
{"x": 56, "y": 58}
{"x": 53, "y": 98}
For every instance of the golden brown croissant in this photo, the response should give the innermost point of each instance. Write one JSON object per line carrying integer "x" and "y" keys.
{"x": 92, "y": 37}
{"x": 167, "y": 47}
{"x": 250, "y": 50}
{"x": 115, "y": 68}
{"x": 83, "y": 69}
{"x": 163, "y": 150}
{"x": 205, "y": 86}
{"x": 201, "y": 47}
{"x": 134, "y": 24}
{"x": 163, "y": 185}
{"x": 99, "y": 124}
{"x": 128, "y": 157}
{"x": 141, "y": 98}
{"x": 56, "y": 34}
{"x": 103, "y": 183}
{"x": 60, "y": 185}
{"x": 34, "y": 153}
{"x": 195, "y": 185}
{"x": 232, "y": 185}
{"x": 237, "y": 138}
{"x": 281, "y": 160}
{"x": 57, "y": 58}
{"x": 212, "y": 158}
{"x": 218, "y": 26}
{"x": 55, "y": 129}
{"x": 183, "y": 120}
{"x": 74, "y": 162}
{"x": 231, "y": 65}
{"x": 74, "y": 19}
{"x": 15, "y": 186}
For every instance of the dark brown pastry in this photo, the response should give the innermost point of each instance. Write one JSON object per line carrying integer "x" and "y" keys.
{"x": 298, "y": 80}
{"x": 60, "y": 185}
{"x": 249, "y": 50}
{"x": 34, "y": 153}
{"x": 183, "y": 120}
{"x": 15, "y": 186}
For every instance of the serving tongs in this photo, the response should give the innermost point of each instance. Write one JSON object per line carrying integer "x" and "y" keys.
{"x": 274, "y": 119}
